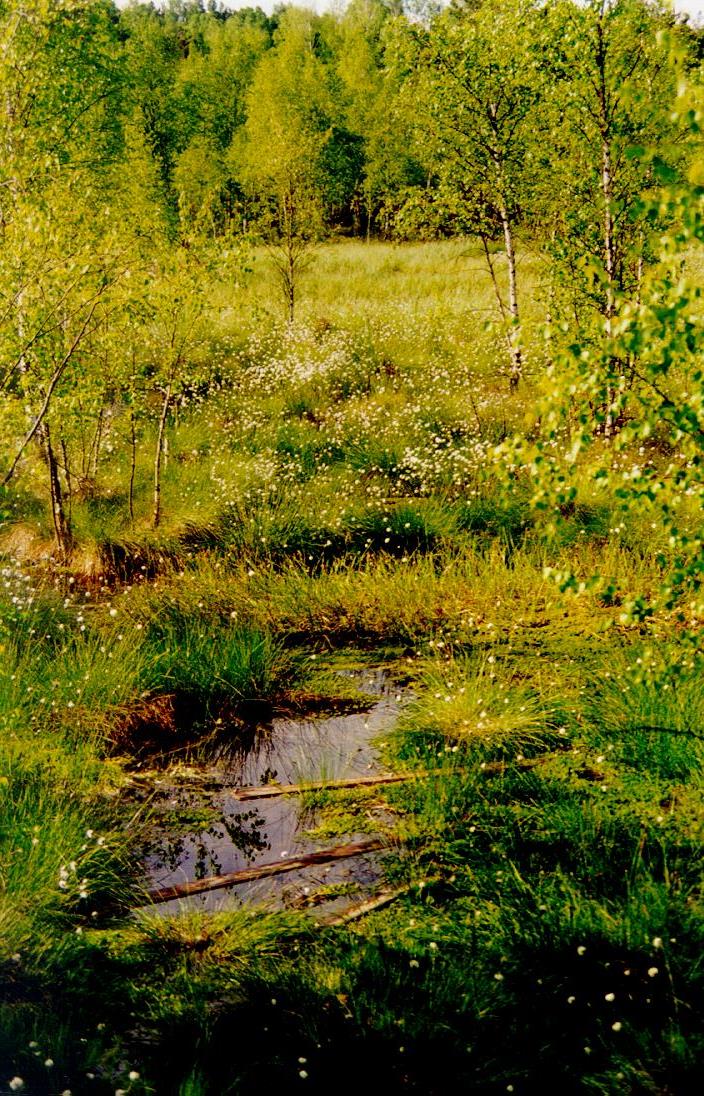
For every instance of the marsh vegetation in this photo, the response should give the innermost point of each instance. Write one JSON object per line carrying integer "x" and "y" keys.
{"x": 352, "y": 498}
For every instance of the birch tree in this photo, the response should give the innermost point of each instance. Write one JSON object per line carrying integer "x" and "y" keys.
{"x": 176, "y": 332}
{"x": 289, "y": 123}
{"x": 59, "y": 256}
{"x": 612, "y": 89}
{"x": 474, "y": 96}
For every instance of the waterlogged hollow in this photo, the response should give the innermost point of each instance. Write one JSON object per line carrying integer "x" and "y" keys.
{"x": 229, "y": 835}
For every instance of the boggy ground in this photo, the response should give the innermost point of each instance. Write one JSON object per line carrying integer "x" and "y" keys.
{"x": 333, "y": 504}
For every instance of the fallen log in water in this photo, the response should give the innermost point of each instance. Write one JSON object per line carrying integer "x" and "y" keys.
{"x": 374, "y": 902}
{"x": 266, "y": 791}
{"x": 262, "y": 871}
{"x": 361, "y": 909}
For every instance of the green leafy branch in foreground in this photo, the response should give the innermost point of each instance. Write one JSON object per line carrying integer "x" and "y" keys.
{"x": 625, "y": 413}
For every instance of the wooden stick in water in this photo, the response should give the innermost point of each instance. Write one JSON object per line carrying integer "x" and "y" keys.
{"x": 361, "y": 909}
{"x": 267, "y": 791}
{"x": 262, "y": 871}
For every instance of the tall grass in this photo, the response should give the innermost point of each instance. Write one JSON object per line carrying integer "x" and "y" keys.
{"x": 214, "y": 667}
{"x": 648, "y": 710}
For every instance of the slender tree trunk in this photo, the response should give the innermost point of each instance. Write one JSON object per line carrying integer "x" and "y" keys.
{"x": 291, "y": 292}
{"x": 133, "y": 466}
{"x": 632, "y": 360}
{"x": 609, "y": 258}
{"x": 494, "y": 280}
{"x": 85, "y": 455}
{"x": 290, "y": 279}
{"x": 608, "y": 202}
{"x": 552, "y": 298}
{"x": 509, "y": 316}
{"x": 69, "y": 481}
{"x": 356, "y": 214}
{"x": 97, "y": 441}
{"x": 288, "y": 224}
{"x": 607, "y": 196}
{"x": 514, "y": 334}
{"x": 514, "y": 327}
{"x": 159, "y": 455}
{"x": 55, "y": 378}
{"x": 36, "y": 425}
{"x": 62, "y": 528}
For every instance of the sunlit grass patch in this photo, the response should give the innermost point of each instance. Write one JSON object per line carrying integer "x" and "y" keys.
{"x": 474, "y": 704}
{"x": 216, "y": 937}
{"x": 32, "y": 619}
{"x": 471, "y": 594}
{"x": 61, "y": 857}
{"x": 99, "y": 679}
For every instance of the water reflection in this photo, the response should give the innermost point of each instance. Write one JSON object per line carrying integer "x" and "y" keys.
{"x": 243, "y": 834}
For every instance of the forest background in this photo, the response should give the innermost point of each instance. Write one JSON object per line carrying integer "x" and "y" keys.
{"x": 156, "y": 148}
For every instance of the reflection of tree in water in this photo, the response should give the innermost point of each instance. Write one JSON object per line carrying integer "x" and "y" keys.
{"x": 244, "y": 831}
{"x": 205, "y": 860}
{"x": 249, "y": 841}
{"x": 165, "y": 853}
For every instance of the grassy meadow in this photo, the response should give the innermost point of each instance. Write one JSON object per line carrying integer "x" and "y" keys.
{"x": 331, "y": 496}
